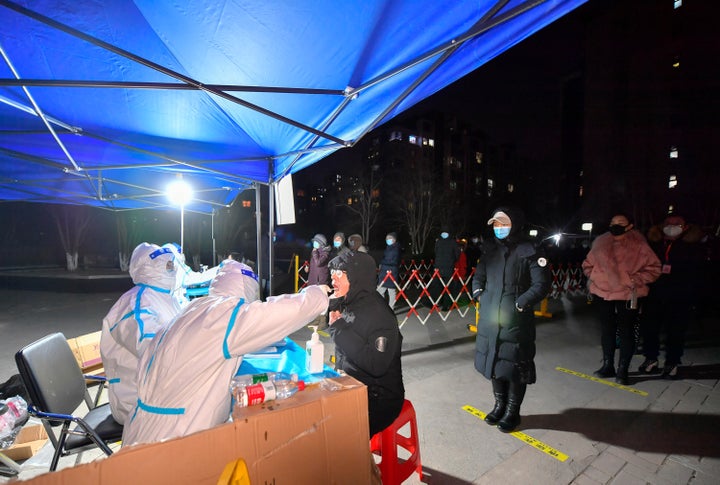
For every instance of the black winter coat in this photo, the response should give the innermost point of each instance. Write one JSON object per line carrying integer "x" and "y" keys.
{"x": 367, "y": 337}
{"x": 447, "y": 252}
{"x": 509, "y": 274}
{"x": 390, "y": 262}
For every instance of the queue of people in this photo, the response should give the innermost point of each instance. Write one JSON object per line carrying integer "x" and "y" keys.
{"x": 170, "y": 361}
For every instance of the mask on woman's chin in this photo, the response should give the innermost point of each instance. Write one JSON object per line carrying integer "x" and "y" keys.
{"x": 316, "y": 245}
{"x": 617, "y": 229}
{"x": 336, "y": 244}
{"x": 501, "y": 232}
{"x": 444, "y": 235}
{"x": 672, "y": 231}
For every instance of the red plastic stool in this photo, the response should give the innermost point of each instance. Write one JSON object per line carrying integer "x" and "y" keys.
{"x": 395, "y": 469}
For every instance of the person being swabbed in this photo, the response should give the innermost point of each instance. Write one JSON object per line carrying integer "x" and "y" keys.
{"x": 183, "y": 381}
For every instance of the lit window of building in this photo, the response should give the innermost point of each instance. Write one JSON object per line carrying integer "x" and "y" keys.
{"x": 677, "y": 3}
{"x": 453, "y": 185}
{"x": 431, "y": 142}
{"x": 673, "y": 152}
{"x": 670, "y": 209}
{"x": 672, "y": 183}
{"x": 490, "y": 183}
{"x": 580, "y": 191}
{"x": 349, "y": 201}
{"x": 510, "y": 187}
{"x": 478, "y": 157}
{"x": 424, "y": 141}
{"x": 412, "y": 139}
{"x": 396, "y": 135}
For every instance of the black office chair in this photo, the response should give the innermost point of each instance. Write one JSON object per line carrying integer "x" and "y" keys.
{"x": 57, "y": 387}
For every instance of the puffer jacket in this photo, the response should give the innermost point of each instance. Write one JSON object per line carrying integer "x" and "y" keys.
{"x": 510, "y": 279}
{"x": 615, "y": 267}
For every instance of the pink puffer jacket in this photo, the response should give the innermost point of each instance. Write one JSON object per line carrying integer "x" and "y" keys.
{"x": 615, "y": 266}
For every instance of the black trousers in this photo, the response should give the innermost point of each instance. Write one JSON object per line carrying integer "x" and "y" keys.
{"x": 672, "y": 316}
{"x": 617, "y": 326}
{"x": 382, "y": 413}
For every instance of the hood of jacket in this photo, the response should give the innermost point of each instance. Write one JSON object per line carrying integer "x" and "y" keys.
{"x": 235, "y": 279}
{"x": 360, "y": 269}
{"x": 149, "y": 266}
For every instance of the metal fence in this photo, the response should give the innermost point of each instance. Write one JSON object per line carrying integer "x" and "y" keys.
{"x": 422, "y": 292}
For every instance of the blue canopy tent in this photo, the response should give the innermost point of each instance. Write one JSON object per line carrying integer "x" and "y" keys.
{"x": 104, "y": 103}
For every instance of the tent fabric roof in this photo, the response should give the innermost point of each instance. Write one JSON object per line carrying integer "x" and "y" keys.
{"x": 104, "y": 103}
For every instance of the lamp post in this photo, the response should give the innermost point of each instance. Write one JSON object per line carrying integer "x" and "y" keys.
{"x": 180, "y": 193}
{"x": 587, "y": 226}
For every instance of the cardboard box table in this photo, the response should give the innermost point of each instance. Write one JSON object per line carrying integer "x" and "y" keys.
{"x": 318, "y": 436}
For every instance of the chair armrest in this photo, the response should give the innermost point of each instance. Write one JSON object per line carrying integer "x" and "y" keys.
{"x": 92, "y": 377}
{"x": 33, "y": 411}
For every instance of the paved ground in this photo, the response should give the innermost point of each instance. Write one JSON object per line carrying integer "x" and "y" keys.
{"x": 584, "y": 432}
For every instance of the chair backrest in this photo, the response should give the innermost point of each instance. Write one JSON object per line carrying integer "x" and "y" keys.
{"x": 51, "y": 374}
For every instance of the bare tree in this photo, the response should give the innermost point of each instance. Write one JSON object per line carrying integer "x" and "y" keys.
{"x": 418, "y": 205}
{"x": 365, "y": 204}
{"x": 72, "y": 223}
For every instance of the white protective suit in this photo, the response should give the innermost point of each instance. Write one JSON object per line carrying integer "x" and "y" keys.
{"x": 186, "y": 277}
{"x": 183, "y": 384}
{"x": 133, "y": 321}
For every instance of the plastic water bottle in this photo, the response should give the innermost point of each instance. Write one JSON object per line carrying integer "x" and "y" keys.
{"x": 13, "y": 411}
{"x": 243, "y": 380}
{"x": 268, "y": 391}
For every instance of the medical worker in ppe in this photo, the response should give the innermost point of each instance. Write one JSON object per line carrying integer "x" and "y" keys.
{"x": 186, "y": 276}
{"x": 183, "y": 383}
{"x": 133, "y": 321}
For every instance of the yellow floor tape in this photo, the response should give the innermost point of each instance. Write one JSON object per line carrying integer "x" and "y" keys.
{"x": 539, "y": 445}
{"x": 602, "y": 381}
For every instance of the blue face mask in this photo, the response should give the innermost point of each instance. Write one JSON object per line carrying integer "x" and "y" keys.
{"x": 337, "y": 244}
{"x": 316, "y": 244}
{"x": 501, "y": 232}
{"x": 444, "y": 235}
{"x": 389, "y": 242}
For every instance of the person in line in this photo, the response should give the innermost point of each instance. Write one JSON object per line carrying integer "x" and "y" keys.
{"x": 183, "y": 380}
{"x": 473, "y": 251}
{"x": 390, "y": 263}
{"x": 318, "y": 272}
{"x": 446, "y": 255}
{"x": 672, "y": 297}
{"x": 619, "y": 267}
{"x": 339, "y": 246}
{"x": 367, "y": 337}
{"x": 356, "y": 243}
{"x": 510, "y": 279}
{"x": 132, "y": 322}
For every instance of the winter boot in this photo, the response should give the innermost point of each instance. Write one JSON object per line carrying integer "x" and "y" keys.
{"x": 622, "y": 373}
{"x": 607, "y": 369}
{"x": 511, "y": 418}
{"x": 500, "y": 390}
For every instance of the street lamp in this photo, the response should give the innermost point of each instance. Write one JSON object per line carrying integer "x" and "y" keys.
{"x": 180, "y": 193}
{"x": 587, "y": 226}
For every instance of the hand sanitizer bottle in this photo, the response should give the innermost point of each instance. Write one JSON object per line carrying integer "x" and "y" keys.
{"x": 315, "y": 358}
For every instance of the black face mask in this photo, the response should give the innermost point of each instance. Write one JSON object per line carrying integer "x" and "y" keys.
{"x": 617, "y": 229}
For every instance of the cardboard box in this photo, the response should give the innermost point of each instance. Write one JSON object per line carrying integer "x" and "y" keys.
{"x": 28, "y": 441}
{"x": 87, "y": 352}
{"x": 316, "y": 437}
